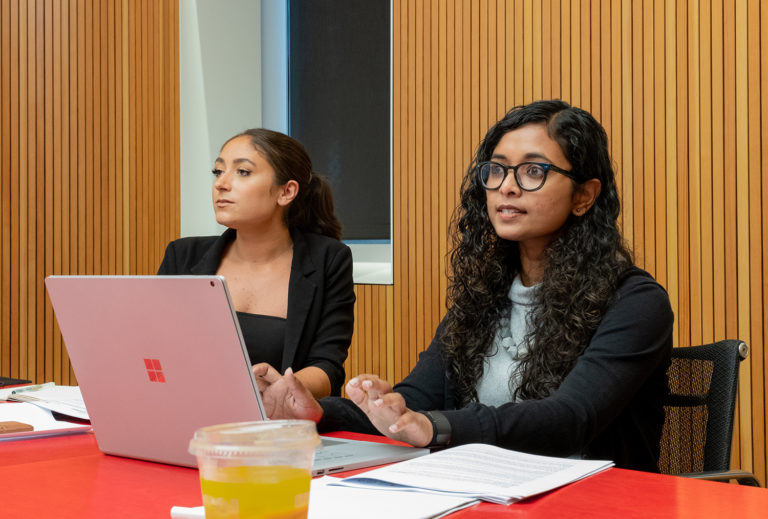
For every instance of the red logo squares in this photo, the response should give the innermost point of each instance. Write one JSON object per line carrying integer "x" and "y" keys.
{"x": 154, "y": 370}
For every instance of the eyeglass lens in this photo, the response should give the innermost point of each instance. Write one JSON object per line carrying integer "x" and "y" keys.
{"x": 529, "y": 176}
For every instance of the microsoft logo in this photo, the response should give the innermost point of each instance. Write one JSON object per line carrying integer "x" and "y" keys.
{"x": 154, "y": 370}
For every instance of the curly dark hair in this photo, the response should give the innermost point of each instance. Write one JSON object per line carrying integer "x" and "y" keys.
{"x": 583, "y": 264}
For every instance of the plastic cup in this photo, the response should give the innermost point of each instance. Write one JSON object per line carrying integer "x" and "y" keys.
{"x": 256, "y": 470}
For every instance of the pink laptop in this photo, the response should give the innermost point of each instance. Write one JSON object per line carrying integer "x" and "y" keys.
{"x": 157, "y": 357}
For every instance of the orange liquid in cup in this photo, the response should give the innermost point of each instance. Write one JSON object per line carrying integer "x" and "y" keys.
{"x": 256, "y": 492}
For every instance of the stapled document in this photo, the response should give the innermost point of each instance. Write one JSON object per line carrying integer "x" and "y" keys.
{"x": 479, "y": 471}
{"x": 66, "y": 400}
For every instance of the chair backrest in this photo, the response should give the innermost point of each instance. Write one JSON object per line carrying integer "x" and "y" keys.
{"x": 698, "y": 427}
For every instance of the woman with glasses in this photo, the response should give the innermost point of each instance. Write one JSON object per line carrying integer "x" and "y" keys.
{"x": 289, "y": 276}
{"x": 554, "y": 342}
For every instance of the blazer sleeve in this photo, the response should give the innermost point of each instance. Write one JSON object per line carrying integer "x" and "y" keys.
{"x": 631, "y": 345}
{"x": 333, "y": 335}
{"x": 425, "y": 388}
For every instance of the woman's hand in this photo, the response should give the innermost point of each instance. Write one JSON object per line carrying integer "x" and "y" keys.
{"x": 284, "y": 396}
{"x": 314, "y": 379}
{"x": 265, "y": 376}
{"x": 387, "y": 411}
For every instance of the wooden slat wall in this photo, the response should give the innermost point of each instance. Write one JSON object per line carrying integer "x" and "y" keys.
{"x": 89, "y": 152}
{"x": 682, "y": 89}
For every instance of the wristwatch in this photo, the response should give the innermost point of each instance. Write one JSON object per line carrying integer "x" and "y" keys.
{"x": 441, "y": 428}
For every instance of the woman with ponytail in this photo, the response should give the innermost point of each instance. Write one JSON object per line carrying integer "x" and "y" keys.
{"x": 553, "y": 342}
{"x": 289, "y": 276}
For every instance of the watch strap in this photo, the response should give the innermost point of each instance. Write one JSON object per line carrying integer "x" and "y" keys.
{"x": 441, "y": 429}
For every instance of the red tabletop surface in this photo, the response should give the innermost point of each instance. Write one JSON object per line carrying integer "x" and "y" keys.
{"x": 68, "y": 477}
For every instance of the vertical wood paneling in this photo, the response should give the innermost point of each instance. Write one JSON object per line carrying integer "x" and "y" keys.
{"x": 686, "y": 110}
{"x": 5, "y": 191}
{"x": 648, "y": 150}
{"x": 624, "y": 91}
{"x": 659, "y": 171}
{"x": 718, "y": 164}
{"x": 694, "y": 144}
{"x": 555, "y": 48}
{"x": 760, "y": 322}
{"x": 670, "y": 163}
{"x": 743, "y": 224}
{"x": 446, "y": 125}
{"x": 45, "y": 353}
{"x": 636, "y": 119}
{"x": 69, "y": 113}
{"x": 399, "y": 163}
{"x": 705, "y": 161}
{"x": 756, "y": 232}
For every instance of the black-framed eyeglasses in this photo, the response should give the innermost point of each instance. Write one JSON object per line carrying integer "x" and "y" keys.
{"x": 530, "y": 176}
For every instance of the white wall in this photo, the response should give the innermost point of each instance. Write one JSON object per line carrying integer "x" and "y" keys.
{"x": 220, "y": 94}
{"x": 274, "y": 65}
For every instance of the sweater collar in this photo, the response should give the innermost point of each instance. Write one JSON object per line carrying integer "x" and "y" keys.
{"x": 520, "y": 294}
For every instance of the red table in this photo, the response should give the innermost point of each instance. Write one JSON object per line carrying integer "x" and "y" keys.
{"x": 67, "y": 477}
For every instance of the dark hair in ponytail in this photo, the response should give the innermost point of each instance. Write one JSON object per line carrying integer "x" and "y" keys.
{"x": 312, "y": 209}
{"x": 313, "y": 212}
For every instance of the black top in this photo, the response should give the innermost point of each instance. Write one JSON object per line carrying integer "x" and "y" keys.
{"x": 608, "y": 407}
{"x": 264, "y": 337}
{"x": 321, "y": 296}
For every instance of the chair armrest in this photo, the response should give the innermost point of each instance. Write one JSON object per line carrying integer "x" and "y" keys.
{"x": 742, "y": 477}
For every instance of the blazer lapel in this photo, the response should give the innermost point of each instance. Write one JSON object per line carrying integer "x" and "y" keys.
{"x": 301, "y": 293}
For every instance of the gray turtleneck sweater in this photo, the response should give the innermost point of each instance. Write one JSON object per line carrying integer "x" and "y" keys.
{"x": 500, "y": 376}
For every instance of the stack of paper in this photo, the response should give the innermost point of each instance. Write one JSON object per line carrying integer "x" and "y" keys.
{"x": 42, "y": 421}
{"x": 65, "y": 400}
{"x": 327, "y": 500}
{"x": 434, "y": 485}
{"x": 479, "y": 471}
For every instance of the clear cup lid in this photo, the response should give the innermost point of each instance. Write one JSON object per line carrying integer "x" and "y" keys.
{"x": 245, "y": 439}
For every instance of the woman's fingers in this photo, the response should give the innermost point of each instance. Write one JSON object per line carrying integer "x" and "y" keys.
{"x": 368, "y": 387}
{"x": 413, "y": 428}
{"x": 265, "y": 372}
{"x": 298, "y": 390}
{"x": 394, "y": 402}
{"x": 262, "y": 375}
{"x": 262, "y": 385}
{"x": 356, "y": 394}
{"x": 374, "y": 385}
{"x": 385, "y": 410}
{"x": 302, "y": 403}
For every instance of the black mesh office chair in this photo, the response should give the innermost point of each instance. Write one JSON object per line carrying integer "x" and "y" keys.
{"x": 696, "y": 439}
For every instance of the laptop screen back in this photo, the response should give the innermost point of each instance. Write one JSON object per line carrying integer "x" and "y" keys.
{"x": 156, "y": 357}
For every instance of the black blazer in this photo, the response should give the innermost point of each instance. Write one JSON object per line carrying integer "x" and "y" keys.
{"x": 321, "y": 295}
